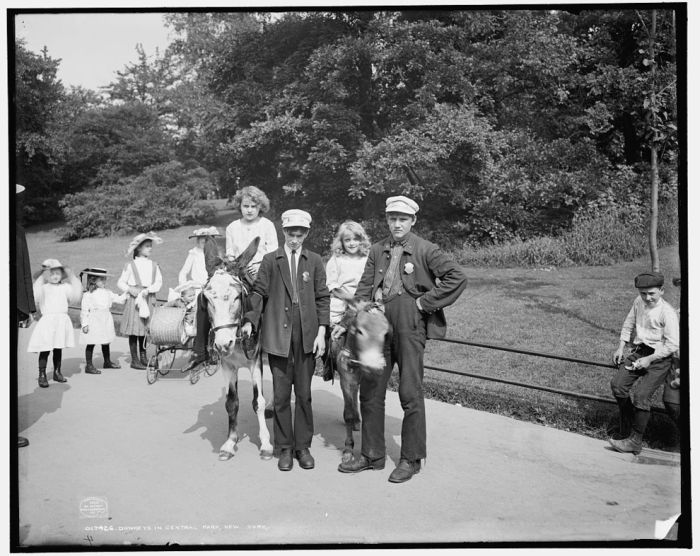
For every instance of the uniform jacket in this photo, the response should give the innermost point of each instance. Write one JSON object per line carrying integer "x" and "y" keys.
{"x": 271, "y": 300}
{"x": 422, "y": 262}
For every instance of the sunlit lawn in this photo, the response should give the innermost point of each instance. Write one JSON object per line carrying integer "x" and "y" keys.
{"x": 574, "y": 312}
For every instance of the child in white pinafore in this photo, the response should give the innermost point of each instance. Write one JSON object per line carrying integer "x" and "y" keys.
{"x": 54, "y": 288}
{"x": 343, "y": 272}
{"x": 141, "y": 279}
{"x": 96, "y": 322}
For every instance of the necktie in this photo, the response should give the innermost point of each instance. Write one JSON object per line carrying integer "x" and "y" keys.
{"x": 392, "y": 281}
{"x": 295, "y": 295}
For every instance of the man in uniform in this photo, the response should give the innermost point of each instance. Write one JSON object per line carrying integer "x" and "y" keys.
{"x": 401, "y": 273}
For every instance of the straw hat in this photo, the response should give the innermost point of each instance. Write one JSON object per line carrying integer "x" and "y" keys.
{"x": 139, "y": 239}
{"x": 204, "y": 232}
{"x": 101, "y": 272}
{"x": 189, "y": 285}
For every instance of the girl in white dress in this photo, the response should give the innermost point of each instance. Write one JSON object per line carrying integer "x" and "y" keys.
{"x": 194, "y": 268}
{"x": 55, "y": 287}
{"x": 252, "y": 203}
{"x": 96, "y": 322}
{"x": 343, "y": 272}
{"x": 141, "y": 279}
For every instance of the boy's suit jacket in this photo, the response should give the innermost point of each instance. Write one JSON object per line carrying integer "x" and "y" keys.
{"x": 271, "y": 300}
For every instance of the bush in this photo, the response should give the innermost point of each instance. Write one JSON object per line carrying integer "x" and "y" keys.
{"x": 596, "y": 238}
{"x": 157, "y": 199}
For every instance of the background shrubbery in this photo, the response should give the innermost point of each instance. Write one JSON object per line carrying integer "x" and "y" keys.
{"x": 163, "y": 196}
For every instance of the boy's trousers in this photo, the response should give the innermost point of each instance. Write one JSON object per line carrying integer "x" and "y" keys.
{"x": 295, "y": 370}
{"x": 405, "y": 346}
{"x": 649, "y": 379}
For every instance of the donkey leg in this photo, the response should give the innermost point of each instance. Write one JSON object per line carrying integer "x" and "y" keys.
{"x": 227, "y": 449}
{"x": 259, "y": 408}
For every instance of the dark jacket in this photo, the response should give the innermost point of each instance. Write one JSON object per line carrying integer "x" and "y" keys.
{"x": 429, "y": 263}
{"x": 271, "y": 300}
{"x": 25, "y": 292}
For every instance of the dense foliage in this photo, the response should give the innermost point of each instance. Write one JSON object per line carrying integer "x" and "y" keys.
{"x": 504, "y": 124}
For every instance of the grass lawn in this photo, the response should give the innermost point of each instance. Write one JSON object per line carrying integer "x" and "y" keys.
{"x": 574, "y": 312}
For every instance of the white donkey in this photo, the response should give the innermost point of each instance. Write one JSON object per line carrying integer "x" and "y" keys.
{"x": 224, "y": 293}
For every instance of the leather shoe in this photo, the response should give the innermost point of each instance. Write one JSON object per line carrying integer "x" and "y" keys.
{"x": 91, "y": 370}
{"x": 404, "y": 471}
{"x": 286, "y": 461}
{"x": 58, "y": 377}
{"x": 22, "y": 442}
{"x": 136, "y": 364}
{"x": 111, "y": 365}
{"x": 306, "y": 460}
{"x": 355, "y": 465}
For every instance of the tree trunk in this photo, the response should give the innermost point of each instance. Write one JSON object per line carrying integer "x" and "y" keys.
{"x": 654, "y": 216}
{"x": 654, "y": 222}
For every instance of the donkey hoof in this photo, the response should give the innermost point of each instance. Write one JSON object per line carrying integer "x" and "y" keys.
{"x": 225, "y": 456}
{"x": 265, "y": 454}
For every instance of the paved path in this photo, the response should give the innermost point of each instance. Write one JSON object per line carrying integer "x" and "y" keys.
{"x": 150, "y": 454}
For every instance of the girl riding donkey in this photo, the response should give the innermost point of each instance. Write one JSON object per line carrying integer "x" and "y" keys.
{"x": 141, "y": 279}
{"x": 96, "y": 322}
{"x": 54, "y": 288}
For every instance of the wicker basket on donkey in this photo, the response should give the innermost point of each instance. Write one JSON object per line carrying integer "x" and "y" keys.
{"x": 166, "y": 325}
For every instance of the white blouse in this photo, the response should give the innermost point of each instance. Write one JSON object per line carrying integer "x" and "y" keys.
{"x": 144, "y": 266}
{"x": 194, "y": 267}
{"x": 239, "y": 235}
{"x": 343, "y": 273}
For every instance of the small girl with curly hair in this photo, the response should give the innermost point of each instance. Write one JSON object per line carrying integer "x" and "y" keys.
{"x": 96, "y": 322}
{"x": 344, "y": 269}
{"x": 252, "y": 203}
{"x": 55, "y": 286}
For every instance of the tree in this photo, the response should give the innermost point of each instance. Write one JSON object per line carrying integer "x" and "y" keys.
{"x": 38, "y": 95}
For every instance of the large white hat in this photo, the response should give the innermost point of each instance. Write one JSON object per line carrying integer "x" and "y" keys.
{"x": 139, "y": 239}
{"x": 203, "y": 232}
{"x": 296, "y": 218}
{"x": 401, "y": 204}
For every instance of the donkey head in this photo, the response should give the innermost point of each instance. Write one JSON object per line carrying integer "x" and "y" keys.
{"x": 367, "y": 329}
{"x": 223, "y": 293}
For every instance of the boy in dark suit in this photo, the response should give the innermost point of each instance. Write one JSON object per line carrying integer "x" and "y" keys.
{"x": 291, "y": 296}
{"x": 401, "y": 273}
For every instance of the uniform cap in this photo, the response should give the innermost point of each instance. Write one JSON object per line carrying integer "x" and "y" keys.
{"x": 402, "y": 204}
{"x": 296, "y": 218}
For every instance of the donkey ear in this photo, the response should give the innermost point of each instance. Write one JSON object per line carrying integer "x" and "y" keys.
{"x": 244, "y": 258}
{"x": 212, "y": 258}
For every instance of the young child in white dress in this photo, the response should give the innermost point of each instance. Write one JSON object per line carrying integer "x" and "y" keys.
{"x": 252, "y": 203}
{"x": 344, "y": 269}
{"x": 195, "y": 268}
{"x": 141, "y": 279}
{"x": 96, "y": 322}
{"x": 55, "y": 287}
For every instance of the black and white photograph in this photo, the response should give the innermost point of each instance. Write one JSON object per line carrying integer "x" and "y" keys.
{"x": 348, "y": 276}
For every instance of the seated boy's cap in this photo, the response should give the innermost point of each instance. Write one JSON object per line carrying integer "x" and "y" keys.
{"x": 649, "y": 280}
{"x": 204, "y": 232}
{"x": 294, "y": 218}
{"x": 402, "y": 204}
{"x": 189, "y": 285}
{"x": 95, "y": 272}
{"x": 50, "y": 264}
